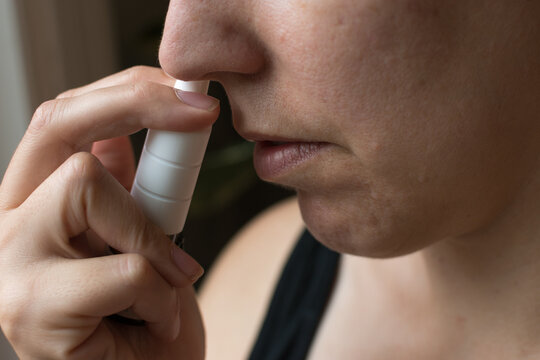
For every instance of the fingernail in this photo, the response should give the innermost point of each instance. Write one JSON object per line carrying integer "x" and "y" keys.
{"x": 186, "y": 263}
{"x": 200, "y": 101}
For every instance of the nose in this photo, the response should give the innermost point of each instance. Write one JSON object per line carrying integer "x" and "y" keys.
{"x": 202, "y": 39}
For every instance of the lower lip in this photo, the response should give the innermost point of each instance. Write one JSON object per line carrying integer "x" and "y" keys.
{"x": 273, "y": 160}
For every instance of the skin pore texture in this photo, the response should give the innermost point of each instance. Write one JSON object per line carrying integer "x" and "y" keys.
{"x": 428, "y": 112}
{"x": 422, "y": 105}
{"x": 410, "y": 130}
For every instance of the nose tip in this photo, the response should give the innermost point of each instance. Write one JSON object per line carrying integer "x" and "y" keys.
{"x": 180, "y": 64}
{"x": 198, "y": 44}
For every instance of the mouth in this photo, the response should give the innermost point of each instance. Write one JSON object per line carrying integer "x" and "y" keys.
{"x": 275, "y": 159}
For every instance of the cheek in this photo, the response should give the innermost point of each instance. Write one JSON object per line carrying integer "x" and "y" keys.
{"x": 418, "y": 114}
{"x": 358, "y": 60}
{"x": 370, "y": 57}
{"x": 419, "y": 191}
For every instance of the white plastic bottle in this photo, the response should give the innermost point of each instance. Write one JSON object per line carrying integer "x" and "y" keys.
{"x": 165, "y": 180}
{"x": 168, "y": 170}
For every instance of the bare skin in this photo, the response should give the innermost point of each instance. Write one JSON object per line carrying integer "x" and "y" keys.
{"x": 379, "y": 308}
{"x": 409, "y": 130}
{"x": 61, "y": 207}
{"x": 432, "y": 120}
{"x": 254, "y": 259}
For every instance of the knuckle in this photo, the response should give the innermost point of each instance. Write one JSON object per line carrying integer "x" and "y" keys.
{"x": 136, "y": 73}
{"x": 136, "y": 270}
{"x": 83, "y": 168}
{"x": 143, "y": 238}
{"x": 10, "y": 223}
{"x": 44, "y": 115}
{"x": 14, "y": 309}
{"x": 11, "y": 324}
{"x": 80, "y": 177}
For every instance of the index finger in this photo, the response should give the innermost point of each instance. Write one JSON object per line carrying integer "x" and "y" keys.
{"x": 65, "y": 126}
{"x": 132, "y": 75}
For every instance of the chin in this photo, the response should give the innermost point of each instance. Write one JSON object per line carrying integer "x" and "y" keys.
{"x": 350, "y": 232}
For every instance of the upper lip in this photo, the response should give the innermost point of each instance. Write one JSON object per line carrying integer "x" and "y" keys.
{"x": 271, "y": 132}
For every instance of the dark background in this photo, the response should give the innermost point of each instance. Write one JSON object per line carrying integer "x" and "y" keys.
{"x": 228, "y": 192}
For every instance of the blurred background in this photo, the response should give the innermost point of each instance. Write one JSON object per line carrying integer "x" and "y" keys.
{"x": 49, "y": 46}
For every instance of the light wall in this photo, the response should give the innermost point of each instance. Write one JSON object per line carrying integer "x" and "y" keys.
{"x": 14, "y": 99}
{"x": 14, "y": 102}
{"x": 46, "y": 47}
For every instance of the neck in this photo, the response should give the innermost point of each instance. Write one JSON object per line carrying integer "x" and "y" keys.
{"x": 489, "y": 280}
{"x": 465, "y": 293}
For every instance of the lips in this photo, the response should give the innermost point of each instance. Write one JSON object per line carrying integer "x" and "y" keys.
{"x": 275, "y": 159}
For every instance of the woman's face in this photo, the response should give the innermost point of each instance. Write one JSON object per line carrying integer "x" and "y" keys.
{"x": 398, "y": 122}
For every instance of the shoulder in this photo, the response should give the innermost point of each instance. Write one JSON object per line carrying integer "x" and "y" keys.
{"x": 236, "y": 292}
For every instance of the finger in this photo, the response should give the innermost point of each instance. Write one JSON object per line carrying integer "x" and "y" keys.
{"x": 82, "y": 195}
{"x": 98, "y": 287}
{"x": 62, "y": 127}
{"x": 117, "y": 157}
{"x": 129, "y": 76}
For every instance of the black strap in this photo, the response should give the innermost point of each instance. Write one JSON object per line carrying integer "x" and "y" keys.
{"x": 298, "y": 303}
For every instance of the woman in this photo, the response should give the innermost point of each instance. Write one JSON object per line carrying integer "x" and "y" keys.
{"x": 410, "y": 131}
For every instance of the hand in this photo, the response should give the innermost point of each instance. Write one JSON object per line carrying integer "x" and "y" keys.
{"x": 61, "y": 208}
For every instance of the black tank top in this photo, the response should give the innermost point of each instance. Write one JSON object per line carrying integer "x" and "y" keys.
{"x": 298, "y": 303}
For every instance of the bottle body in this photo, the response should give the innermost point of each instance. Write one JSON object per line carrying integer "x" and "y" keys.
{"x": 167, "y": 174}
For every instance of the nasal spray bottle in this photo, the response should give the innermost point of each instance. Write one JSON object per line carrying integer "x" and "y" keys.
{"x": 168, "y": 170}
{"x": 166, "y": 177}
